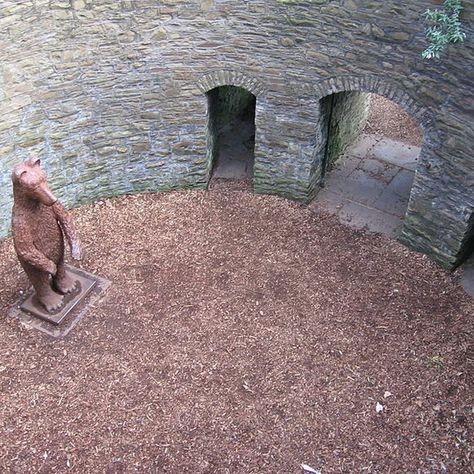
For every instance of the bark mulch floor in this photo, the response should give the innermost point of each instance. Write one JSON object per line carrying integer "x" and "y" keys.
{"x": 241, "y": 333}
{"x": 387, "y": 119}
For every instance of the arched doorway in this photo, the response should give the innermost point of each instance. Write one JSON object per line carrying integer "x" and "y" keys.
{"x": 231, "y": 132}
{"x": 370, "y": 155}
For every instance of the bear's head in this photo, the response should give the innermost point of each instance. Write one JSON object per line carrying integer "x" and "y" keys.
{"x": 29, "y": 180}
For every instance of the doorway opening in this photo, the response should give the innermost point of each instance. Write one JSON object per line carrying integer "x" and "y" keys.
{"x": 231, "y": 133}
{"x": 467, "y": 268}
{"x": 371, "y": 153}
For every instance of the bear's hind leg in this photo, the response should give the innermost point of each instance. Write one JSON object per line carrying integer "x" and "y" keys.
{"x": 44, "y": 292}
{"x": 63, "y": 281}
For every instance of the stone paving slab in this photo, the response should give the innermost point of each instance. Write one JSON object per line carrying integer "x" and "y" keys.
{"x": 397, "y": 153}
{"x": 467, "y": 278}
{"x": 358, "y": 186}
{"x": 363, "y": 145}
{"x": 392, "y": 203}
{"x": 344, "y": 167}
{"x": 358, "y": 216}
{"x": 328, "y": 200}
{"x": 402, "y": 183}
{"x": 378, "y": 169}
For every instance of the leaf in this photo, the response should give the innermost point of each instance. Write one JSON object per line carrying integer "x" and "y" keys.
{"x": 445, "y": 28}
{"x": 309, "y": 469}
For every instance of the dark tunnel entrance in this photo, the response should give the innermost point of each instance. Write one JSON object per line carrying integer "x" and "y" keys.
{"x": 231, "y": 135}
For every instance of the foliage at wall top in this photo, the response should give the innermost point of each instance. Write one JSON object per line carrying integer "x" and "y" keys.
{"x": 445, "y": 28}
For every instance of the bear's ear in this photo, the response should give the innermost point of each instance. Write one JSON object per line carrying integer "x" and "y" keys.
{"x": 35, "y": 161}
{"x": 19, "y": 172}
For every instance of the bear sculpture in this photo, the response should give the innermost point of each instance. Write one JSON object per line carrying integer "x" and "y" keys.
{"x": 39, "y": 223}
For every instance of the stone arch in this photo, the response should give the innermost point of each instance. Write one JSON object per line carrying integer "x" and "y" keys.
{"x": 227, "y": 77}
{"x": 220, "y": 78}
{"x": 423, "y": 116}
{"x": 384, "y": 88}
{"x": 432, "y": 140}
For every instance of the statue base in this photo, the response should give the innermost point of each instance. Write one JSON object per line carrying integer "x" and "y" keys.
{"x": 57, "y": 324}
{"x": 84, "y": 284}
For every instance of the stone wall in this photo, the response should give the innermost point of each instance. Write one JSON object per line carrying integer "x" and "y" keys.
{"x": 112, "y": 95}
{"x": 347, "y": 114}
{"x": 214, "y": 125}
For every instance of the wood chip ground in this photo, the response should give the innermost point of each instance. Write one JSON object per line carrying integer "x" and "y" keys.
{"x": 241, "y": 334}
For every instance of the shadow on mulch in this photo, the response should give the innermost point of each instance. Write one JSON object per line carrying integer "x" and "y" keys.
{"x": 241, "y": 333}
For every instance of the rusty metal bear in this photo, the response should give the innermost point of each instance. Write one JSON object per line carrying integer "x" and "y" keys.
{"x": 38, "y": 224}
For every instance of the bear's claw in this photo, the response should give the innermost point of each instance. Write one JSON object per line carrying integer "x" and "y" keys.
{"x": 52, "y": 302}
{"x": 65, "y": 285}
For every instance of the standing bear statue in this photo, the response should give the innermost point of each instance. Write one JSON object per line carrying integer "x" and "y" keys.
{"x": 39, "y": 222}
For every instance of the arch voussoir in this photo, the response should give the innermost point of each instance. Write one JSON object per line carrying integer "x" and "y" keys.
{"x": 231, "y": 78}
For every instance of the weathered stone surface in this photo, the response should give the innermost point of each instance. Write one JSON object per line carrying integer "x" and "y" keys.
{"x": 347, "y": 113}
{"x": 92, "y": 86}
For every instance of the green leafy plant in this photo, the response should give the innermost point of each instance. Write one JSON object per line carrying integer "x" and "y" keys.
{"x": 446, "y": 28}
{"x": 437, "y": 361}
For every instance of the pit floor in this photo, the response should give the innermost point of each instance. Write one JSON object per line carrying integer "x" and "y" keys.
{"x": 241, "y": 334}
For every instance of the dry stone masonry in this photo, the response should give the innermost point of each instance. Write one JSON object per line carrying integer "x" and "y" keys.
{"x": 113, "y": 96}
{"x": 347, "y": 114}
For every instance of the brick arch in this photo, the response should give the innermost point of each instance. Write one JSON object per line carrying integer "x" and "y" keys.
{"x": 228, "y": 77}
{"x": 384, "y": 88}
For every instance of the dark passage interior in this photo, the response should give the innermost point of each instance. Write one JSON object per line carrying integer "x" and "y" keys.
{"x": 231, "y": 139}
{"x": 469, "y": 253}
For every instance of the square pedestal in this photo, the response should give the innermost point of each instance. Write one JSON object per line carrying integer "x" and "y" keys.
{"x": 58, "y": 324}
{"x": 83, "y": 286}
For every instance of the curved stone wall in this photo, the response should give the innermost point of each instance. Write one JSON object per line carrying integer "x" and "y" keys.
{"x": 111, "y": 95}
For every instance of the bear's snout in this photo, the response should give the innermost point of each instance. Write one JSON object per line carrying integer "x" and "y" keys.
{"x": 44, "y": 195}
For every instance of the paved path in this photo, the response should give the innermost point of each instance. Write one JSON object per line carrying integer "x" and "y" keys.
{"x": 467, "y": 277}
{"x": 370, "y": 188}
{"x": 370, "y": 185}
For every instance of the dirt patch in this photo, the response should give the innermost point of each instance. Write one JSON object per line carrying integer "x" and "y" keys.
{"x": 388, "y": 119}
{"x": 244, "y": 334}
